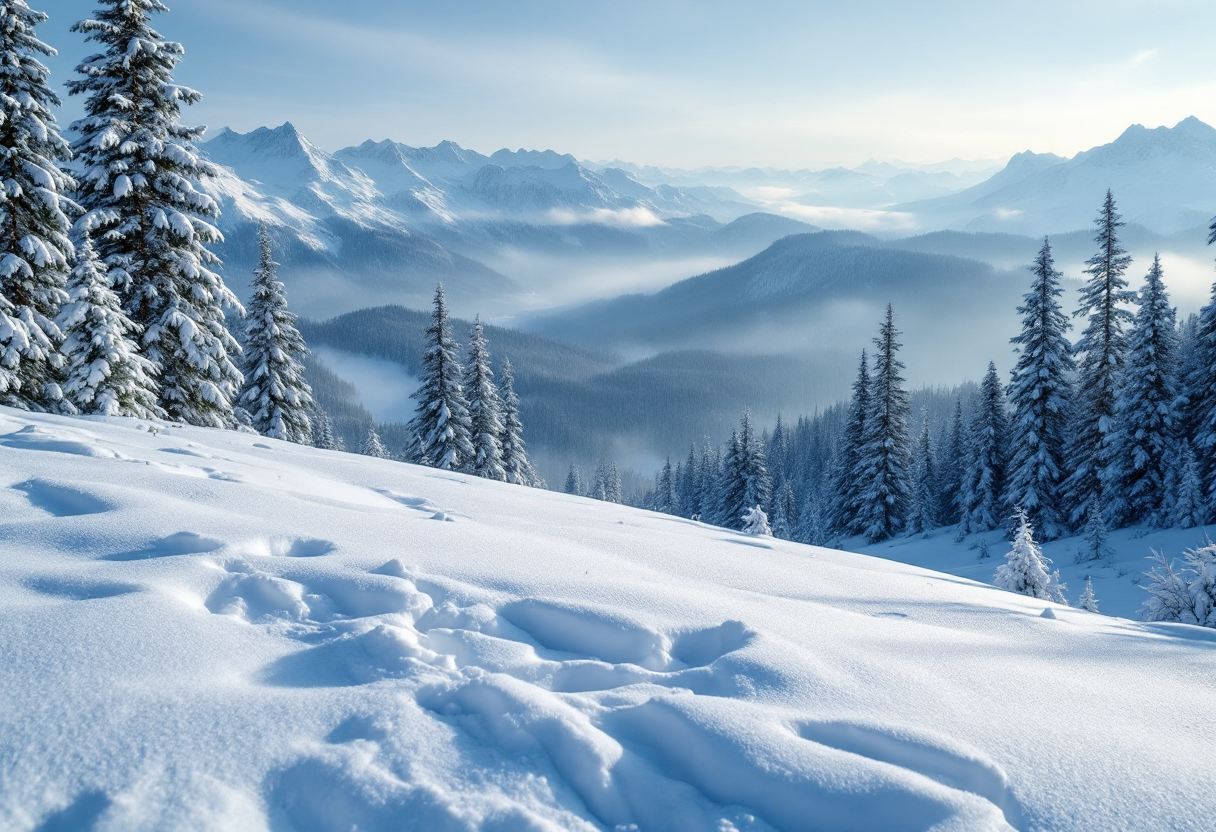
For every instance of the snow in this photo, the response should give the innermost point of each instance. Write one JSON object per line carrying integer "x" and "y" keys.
{"x": 209, "y": 630}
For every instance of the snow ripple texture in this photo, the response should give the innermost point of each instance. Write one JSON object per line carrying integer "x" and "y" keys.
{"x": 205, "y": 630}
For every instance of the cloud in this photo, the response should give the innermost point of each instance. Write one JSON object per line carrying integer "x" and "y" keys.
{"x": 616, "y": 217}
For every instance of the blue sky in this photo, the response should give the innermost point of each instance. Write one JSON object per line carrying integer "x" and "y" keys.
{"x": 684, "y": 83}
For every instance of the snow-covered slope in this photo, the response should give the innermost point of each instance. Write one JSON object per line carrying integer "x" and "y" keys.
{"x": 1163, "y": 179}
{"x": 203, "y": 630}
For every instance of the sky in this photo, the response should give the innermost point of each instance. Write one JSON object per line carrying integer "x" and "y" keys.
{"x": 689, "y": 83}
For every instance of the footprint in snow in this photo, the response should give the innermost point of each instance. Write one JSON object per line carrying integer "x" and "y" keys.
{"x": 182, "y": 543}
{"x": 60, "y": 500}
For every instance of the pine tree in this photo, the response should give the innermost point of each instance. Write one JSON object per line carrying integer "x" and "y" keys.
{"x": 515, "y": 462}
{"x": 275, "y": 393}
{"x": 1039, "y": 393}
{"x": 323, "y": 430}
{"x": 441, "y": 421}
{"x": 923, "y": 517}
{"x": 599, "y": 485}
{"x": 485, "y": 410}
{"x": 1102, "y": 350}
{"x": 372, "y": 446}
{"x": 105, "y": 374}
{"x": 812, "y": 527}
{"x": 777, "y": 458}
{"x": 985, "y": 477}
{"x": 612, "y": 485}
{"x": 1096, "y": 547}
{"x": 665, "y": 498}
{"x": 574, "y": 481}
{"x": 848, "y": 484}
{"x": 1188, "y": 504}
{"x": 758, "y": 486}
{"x": 952, "y": 462}
{"x": 35, "y": 250}
{"x": 690, "y": 485}
{"x": 1087, "y": 601}
{"x": 885, "y": 453}
{"x": 1025, "y": 567}
{"x": 152, "y": 223}
{"x": 1146, "y": 416}
{"x": 710, "y": 474}
{"x": 744, "y": 480}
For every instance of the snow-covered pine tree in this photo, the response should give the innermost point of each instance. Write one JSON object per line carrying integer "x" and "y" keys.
{"x": 138, "y": 185}
{"x": 485, "y": 410}
{"x": 1102, "y": 350}
{"x": 886, "y": 452}
{"x": 755, "y": 521}
{"x": 1039, "y": 393}
{"x": 1096, "y": 546}
{"x": 1186, "y": 595}
{"x": 1146, "y": 416}
{"x": 849, "y": 471}
{"x": 729, "y": 488}
{"x": 777, "y": 461}
{"x": 372, "y": 446}
{"x": 1187, "y": 509}
{"x": 574, "y": 481}
{"x": 275, "y": 393}
{"x": 105, "y": 374}
{"x": 612, "y": 485}
{"x": 710, "y": 474}
{"x": 1025, "y": 567}
{"x": 923, "y": 517}
{"x": 744, "y": 481}
{"x": 1190, "y": 359}
{"x": 665, "y": 498}
{"x": 690, "y": 485}
{"x": 951, "y": 465}
{"x": 441, "y": 419}
{"x": 758, "y": 486}
{"x": 515, "y": 462}
{"x": 1088, "y": 601}
{"x": 36, "y": 248}
{"x": 812, "y": 527}
{"x": 323, "y": 430}
{"x": 599, "y": 485}
{"x": 985, "y": 477}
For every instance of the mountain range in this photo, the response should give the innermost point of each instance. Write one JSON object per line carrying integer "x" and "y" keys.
{"x": 519, "y": 230}
{"x": 1163, "y": 179}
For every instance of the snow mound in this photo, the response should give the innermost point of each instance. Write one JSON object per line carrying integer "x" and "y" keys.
{"x": 293, "y": 646}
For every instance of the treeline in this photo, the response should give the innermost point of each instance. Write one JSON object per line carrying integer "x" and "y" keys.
{"x": 1116, "y": 429}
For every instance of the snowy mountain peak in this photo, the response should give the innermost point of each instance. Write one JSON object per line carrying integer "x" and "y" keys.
{"x": 546, "y": 159}
{"x": 1189, "y": 133}
{"x": 268, "y": 142}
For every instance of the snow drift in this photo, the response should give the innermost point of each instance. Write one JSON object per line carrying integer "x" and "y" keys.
{"x": 212, "y": 630}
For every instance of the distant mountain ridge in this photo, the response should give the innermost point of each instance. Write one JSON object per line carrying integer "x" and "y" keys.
{"x": 1162, "y": 178}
